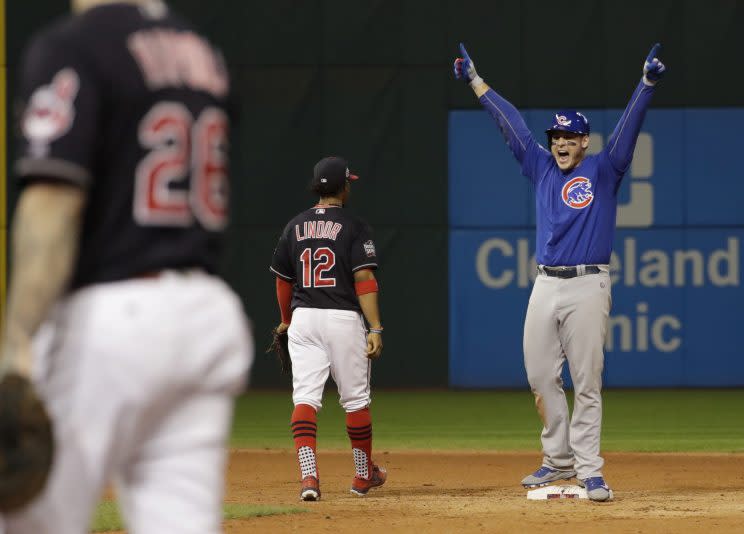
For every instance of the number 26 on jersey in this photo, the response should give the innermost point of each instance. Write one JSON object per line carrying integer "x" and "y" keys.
{"x": 182, "y": 147}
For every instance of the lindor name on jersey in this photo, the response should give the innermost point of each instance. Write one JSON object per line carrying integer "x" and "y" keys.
{"x": 318, "y": 230}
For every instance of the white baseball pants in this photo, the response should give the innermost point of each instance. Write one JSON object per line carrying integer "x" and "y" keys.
{"x": 139, "y": 378}
{"x": 335, "y": 341}
{"x": 567, "y": 321}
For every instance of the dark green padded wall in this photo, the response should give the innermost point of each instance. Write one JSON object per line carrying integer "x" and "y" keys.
{"x": 371, "y": 80}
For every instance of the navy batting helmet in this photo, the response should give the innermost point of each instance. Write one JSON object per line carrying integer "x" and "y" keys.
{"x": 569, "y": 120}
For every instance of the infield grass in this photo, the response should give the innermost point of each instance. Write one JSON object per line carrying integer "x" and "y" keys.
{"x": 108, "y": 519}
{"x": 634, "y": 420}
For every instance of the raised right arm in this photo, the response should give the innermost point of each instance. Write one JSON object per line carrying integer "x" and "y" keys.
{"x": 518, "y": 136}
{"x": 516, "y": 133}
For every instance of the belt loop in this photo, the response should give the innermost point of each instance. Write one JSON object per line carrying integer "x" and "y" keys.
{"x": 580, "y": 270}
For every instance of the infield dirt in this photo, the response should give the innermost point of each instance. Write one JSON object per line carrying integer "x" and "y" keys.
{"x": 431, "y": 492}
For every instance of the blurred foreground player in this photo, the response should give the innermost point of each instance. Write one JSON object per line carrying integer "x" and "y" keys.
{"x": 326, "y": 288}
{"x": 117, "y": 230}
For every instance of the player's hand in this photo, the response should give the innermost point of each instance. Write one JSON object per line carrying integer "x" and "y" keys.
{"x": 653, "y": 69}
{"x": 464, "y": 68}
{"x": 283, "y": 327}
{"x": 374, "y": 345}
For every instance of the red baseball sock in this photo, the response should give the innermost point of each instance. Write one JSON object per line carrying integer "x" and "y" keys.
{"x": 304, "y": 431}
{"x": 359, "y": 428}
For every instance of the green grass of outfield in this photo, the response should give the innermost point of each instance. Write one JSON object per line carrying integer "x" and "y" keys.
{"x": 634, "y": 420}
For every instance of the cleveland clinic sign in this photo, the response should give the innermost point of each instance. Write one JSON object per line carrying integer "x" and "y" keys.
{"x": 500, "y": 263}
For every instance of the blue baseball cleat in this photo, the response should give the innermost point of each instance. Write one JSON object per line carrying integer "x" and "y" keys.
{"x": 597, "y": 489}
{"x": 546, "y": 475}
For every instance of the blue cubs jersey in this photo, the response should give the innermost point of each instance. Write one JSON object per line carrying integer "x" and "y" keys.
{"x": 575, "y": 210}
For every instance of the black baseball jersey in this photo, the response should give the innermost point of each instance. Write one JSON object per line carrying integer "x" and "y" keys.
{"x": 130, "y": 103}
{"x": 319, "y": 250}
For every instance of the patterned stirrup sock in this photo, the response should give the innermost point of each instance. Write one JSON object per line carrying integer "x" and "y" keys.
{"x": 308, "y": 467}
{"x": 359, "y": 428}
{"x": 304, "y": 431}
{"x": 361, "y": 463}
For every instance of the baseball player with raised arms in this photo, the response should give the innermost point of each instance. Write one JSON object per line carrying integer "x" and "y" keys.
{"x": 576, "y": 203}
{"x": 117, "y": 232}
{"x": 324, "y": 264}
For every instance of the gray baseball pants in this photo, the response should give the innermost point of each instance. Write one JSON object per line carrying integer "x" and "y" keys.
{"x": 567, "y": 321}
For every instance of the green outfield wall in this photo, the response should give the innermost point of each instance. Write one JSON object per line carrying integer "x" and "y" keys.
{"x": 371, "y": 80}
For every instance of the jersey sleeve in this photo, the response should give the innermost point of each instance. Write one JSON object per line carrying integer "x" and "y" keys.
{"x": 58, "y": 112}
{"x": 620, "y": 146}
{"x": 282, "y": 264}
{"x": 363, "y": 250}
{"x": 530, "y": 155}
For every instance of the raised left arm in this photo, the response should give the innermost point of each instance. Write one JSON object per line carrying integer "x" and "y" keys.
{"x": 621, "y": 143}
{"x": 46, "y": 230}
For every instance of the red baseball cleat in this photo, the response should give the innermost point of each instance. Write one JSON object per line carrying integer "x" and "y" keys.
{"x": 310, "y": 489}
{"x": 360, "y": 486}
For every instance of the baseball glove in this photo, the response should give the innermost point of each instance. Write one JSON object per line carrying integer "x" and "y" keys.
{"x": 280, "y": 347}
{"x": 26, "y": 443}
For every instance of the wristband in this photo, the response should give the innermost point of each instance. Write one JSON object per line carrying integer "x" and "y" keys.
{"x": 475, "y": 82}
{"x": 375, "y": 330}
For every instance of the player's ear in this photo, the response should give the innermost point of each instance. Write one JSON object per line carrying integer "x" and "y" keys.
{"x": 346, "y": 193}
{"x": 585, "y": 142}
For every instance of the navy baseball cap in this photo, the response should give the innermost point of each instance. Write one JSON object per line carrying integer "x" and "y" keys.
{"x": 330, "y": 174}
{"x": 569, "y": 120}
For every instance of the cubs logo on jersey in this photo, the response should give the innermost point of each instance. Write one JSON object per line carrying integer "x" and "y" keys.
{"x": 577, "y": 193}
{"x": 50, "y": 111}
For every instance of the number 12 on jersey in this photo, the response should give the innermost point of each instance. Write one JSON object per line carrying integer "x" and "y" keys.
{"x": 325, "y": 260}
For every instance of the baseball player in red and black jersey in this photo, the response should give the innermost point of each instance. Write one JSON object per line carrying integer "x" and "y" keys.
{"x": 123, "y": 171}
{"x": 326, "y": 288}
